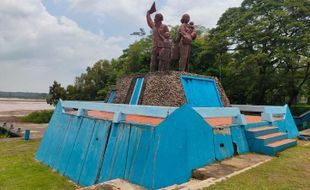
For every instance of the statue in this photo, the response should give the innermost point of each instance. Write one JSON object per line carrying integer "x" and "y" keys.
{"x": 161, "y": 47}
{"x": 186, "y": 35}
{"x": 165, "y": 53}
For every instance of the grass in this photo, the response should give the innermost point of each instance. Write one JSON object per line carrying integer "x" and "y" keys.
{"x": 4, "y": 136}
{"x": 38, "y": 117}
{"x": 291, "y": 170}
{"x": 19, "y": 170}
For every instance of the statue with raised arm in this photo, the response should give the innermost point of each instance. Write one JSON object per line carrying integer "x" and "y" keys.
{"x": 186, "y": 34}
{"x": 160, "y": 58}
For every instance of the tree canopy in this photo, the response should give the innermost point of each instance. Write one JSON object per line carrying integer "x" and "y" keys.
{"x": 263, "y": 47}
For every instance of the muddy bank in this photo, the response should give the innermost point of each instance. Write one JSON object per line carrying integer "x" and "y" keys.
{"x": 20, "y": 107}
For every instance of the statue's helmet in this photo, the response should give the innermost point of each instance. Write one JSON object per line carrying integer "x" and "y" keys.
{"x": 159, "y": 17}
{"x": 185, "y": 18}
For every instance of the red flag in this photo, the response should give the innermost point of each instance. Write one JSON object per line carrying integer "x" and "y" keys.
{"x": 153, "y": 8}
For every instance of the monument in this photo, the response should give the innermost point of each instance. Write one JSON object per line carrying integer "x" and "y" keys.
{"x": 154, "y": 129}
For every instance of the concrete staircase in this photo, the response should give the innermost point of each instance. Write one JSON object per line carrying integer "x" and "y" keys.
{"x": 268, "y": 140}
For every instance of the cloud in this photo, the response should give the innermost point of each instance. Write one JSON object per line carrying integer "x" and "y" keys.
{"x": 37, "y": 48}
{"x": 122, "y": 10}
{"x": 203, "y": 12}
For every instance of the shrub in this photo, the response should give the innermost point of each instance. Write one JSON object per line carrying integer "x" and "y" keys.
{"x": 38, "y": 117}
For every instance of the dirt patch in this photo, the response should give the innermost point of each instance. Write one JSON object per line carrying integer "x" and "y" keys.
{"x": 14, "y": 116}
{"x": 10, "y": 119}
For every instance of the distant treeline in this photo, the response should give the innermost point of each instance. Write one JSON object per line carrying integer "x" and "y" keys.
{"x": 24, "y": 95}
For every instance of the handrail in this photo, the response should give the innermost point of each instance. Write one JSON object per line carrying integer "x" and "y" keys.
{"x": 305, "y": 115}
{"x": 208, "y": 112}
{"x": 303, "y": 118}
{"x": 152, "y": 111}
{"x": 261, "y": 108}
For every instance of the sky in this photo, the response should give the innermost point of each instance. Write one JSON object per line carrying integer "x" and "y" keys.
{"x": 46, "y": 40}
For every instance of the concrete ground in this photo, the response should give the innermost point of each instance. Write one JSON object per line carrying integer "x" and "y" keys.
{"x": 219, "y": 171}
{"x": 202, "y": 177}
{"x": 116, "y": 184}
{"x": 305, "y": 132}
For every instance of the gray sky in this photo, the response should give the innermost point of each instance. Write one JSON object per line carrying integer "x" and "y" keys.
{"x": 43, "y": 41}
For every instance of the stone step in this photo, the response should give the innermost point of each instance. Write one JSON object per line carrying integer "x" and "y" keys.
{"x": 270, "y": 138}
{"x": 281, "y": 142}
{"x": 228, "y": 166}
{"x": 260, "y": 131}
{"x": 273, "y": 148}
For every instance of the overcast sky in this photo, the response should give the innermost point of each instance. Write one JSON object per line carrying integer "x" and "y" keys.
{"x": 46, "y": 40}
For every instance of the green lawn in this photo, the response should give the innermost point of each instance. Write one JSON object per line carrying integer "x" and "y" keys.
{"x": 19, "y": 170}
{"x": 291, "y": 171}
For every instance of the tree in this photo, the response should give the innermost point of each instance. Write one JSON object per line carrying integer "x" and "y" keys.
{"x": 264, "y": 48}
{"x": 94, "y": 84}
{"x": 56, "y": 92}
{"x": 136, "y": 58}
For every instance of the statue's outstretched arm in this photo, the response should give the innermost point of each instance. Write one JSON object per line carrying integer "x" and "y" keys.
{"x": 149, "y": 20}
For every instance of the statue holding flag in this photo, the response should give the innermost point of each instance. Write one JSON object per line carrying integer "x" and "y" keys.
{"x": 160, "y": 58}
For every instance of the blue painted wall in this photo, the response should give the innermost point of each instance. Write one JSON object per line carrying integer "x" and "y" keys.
{"x": 127, "y": 155}
{"x": 159, "y": 156}
{"x": 184, "y": 141}
{"x": 96, "y": 150}
{"x": 112, "y": 96}
{"x": 201, "y": 92}
{"x": 68, "y": 144}
{"x": 74, "y": 146}
{"x": 136, "y": 92}
{"x": 223, "y": 146}
{"x": 89, "y": 150}
{"x": 287, "y": 125}
{"x": 80, "y": 149}
{"x": 239, "y": 138}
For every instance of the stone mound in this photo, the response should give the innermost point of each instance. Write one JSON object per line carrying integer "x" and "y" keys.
{"x": 159, "y": 89}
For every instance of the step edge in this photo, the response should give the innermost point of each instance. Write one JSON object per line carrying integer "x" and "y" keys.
{"x": 269, "y": 128}
{"x": 279, "y": 134}
{"x": 290, "y": 141}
